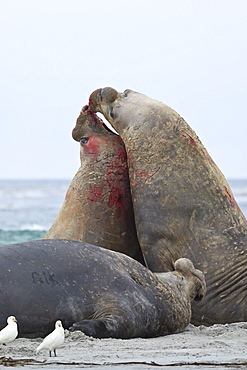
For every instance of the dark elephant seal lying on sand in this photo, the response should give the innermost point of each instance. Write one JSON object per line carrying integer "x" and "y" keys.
{"x": 183, "y": 205}
{"x": 98, "y": 208}
{"x": 101, "y": 292}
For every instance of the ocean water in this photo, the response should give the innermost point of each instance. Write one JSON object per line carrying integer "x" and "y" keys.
{"x": 29, "y": 207}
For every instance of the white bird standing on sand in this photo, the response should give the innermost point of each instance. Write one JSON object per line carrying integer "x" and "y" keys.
{"x": 9, "y": 332}
{"x": 53, "y": 340}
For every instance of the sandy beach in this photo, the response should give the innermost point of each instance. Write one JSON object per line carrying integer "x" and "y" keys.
{"x": 215, "y": 347}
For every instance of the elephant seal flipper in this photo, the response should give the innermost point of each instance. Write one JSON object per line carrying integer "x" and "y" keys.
{"x": 92, "y": 328}
{"x": 192, "y": 284}
{"x": 98, "y": 207}
{"x": 183, "y": 205}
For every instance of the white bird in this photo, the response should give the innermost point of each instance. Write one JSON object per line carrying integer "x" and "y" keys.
{"x": 9, "y": 332}
{"x": 53, "y": 340}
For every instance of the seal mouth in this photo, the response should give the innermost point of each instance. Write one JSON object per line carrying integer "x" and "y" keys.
{"x": 87, "y": 110}
{"x": 108, "y": 128}
{"x": 95, "y": 122}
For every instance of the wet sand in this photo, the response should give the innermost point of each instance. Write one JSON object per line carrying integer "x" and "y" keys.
{"x": 215, "y": 347}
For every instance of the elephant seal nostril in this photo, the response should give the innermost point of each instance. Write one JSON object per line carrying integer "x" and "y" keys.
{"x": 85, "y": 108}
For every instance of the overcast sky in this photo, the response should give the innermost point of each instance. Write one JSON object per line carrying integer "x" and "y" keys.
{"x": 189, "y": 54}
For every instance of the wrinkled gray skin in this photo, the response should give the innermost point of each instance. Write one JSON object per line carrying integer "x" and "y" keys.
{"x": 98, "y": 208}
{"x": 100, "y": 292}
{"x": 183, "y": 205}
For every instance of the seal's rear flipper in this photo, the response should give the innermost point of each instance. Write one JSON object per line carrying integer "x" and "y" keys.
{"x": 92, "y": 328}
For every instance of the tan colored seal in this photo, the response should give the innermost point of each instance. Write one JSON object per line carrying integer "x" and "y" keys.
{"x": 183, "y": 205}
{"x": 98, "y": 207}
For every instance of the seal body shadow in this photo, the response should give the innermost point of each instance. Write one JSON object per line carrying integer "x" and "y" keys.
{"x": 99, "y": 291}
{"x": 98, "y": 207}
{"x": 183, "y": 205}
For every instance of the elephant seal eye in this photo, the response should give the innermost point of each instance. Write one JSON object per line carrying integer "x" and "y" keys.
{"x": 84, "y": 140}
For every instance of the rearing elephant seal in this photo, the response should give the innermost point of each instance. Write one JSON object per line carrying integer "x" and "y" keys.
{"x": 101, "y": 292}
{"x": 98, "y": 207}
{"x": 183, "y": 205}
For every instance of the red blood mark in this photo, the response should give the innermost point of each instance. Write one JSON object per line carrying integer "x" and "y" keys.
{"x": 92, "y": 147}
{"x": 95, "y": 193}
{"x": 117, "y": 169}
{"x": 232, "y": 202}
{"x": 143, "y": 174}
{"x": 115, "y": 198}
{"x": 193, "y": 141}
{"x": 116, "y": 180}
{"x": 121, "y": 155}
{"x": 86, "y": 111}
{"x": 90, "y": 113}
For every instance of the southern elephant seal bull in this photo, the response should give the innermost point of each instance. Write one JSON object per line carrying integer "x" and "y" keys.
{"x": 101, "y": 292}
{"x": 98, "y": 208}
{"x": 183, "y": 205}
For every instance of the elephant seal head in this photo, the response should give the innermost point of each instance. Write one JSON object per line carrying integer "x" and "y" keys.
{"x": 193, "y": 277}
